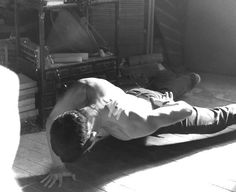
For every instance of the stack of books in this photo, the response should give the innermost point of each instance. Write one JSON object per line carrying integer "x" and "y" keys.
{"x": 28, "y": 89}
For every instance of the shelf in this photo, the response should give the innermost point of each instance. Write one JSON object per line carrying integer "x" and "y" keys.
{"x": 38, "y": 4}
{"x": 33, "y": 66}
{"x": 46, "y": 75}
{"x": 90, "y": 60}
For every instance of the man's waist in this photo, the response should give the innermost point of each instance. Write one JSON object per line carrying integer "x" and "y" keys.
{"x": 144, "y": 93}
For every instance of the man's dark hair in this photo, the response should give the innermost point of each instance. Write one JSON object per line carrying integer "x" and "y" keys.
{"x": 70, "y": 135}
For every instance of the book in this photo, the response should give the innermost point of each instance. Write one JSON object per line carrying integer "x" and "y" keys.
{"x": 68, "y": 57}
{"x": 27, "y": 114}
{"x": 25, "y": 97}
{"x": 27, "y": 108}
{"x": 28, "y": 91}
{"x": 27, "y": 101}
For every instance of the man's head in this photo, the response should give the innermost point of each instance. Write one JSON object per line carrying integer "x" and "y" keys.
{"x": 71, "y": 135}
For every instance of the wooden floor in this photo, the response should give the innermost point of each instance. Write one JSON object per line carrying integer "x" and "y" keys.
{"x": 164, "y": 164}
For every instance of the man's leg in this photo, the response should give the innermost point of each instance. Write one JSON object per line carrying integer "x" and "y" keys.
{"x": 178, "y": 85}
{"x": 204, "y": 121}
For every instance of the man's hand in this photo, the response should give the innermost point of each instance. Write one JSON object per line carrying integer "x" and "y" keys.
{"x": 114, "y": 110}
{"x": 57, "y": 174}
{"x": 166, "y": 99}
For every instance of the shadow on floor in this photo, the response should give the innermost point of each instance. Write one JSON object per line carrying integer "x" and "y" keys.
{"x": 112, "y": 159}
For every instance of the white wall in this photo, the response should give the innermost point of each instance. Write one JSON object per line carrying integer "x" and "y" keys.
{"x": 210, "y": 39}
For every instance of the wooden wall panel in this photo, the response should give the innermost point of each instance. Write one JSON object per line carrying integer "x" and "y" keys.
{"x": 170, "y": 15}
{"x": 210, "y": 40}
{"x": 170, "y": 32}
{"x": 131, "y": 30}
{"x": 103, "y": 19}
{"x": 167, "y": 7}
{"x": 131, "y": 35}
{"x": 167, "y": 18}
{"x": 133, "y": 25}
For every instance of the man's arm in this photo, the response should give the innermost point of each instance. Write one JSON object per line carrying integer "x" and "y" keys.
{"x": 139, "y": 126}
{"x": 55, "y": 159}
{"x": 169, "y": 114}
{"x": 74, "y": 98}
{"x": 58, "y": 170}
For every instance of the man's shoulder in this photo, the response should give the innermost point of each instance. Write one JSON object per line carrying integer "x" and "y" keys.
{"x": 91, "y": 80}
{"x": 97, "y": 85}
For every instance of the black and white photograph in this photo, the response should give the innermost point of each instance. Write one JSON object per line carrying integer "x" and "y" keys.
{"x": 118, "y": 95}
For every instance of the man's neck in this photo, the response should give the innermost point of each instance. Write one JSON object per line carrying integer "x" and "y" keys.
{"x": 89, "y": 111}
{"x": 99, "y": 127}
{"x": 95, "y": 116}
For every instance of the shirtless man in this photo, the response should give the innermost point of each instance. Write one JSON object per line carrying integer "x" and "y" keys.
{"x": 94, "y": 108}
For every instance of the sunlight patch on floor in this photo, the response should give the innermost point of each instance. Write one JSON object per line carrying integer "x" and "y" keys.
{"x": 209, "y": 170}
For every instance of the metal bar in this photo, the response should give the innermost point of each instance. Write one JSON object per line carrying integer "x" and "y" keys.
{"x": 64, "y": 5}
{"x": 150, "y": 25}
{"x": 16, "y": 20}
{"x": 117, "y": 11}
{"x": 117, "y": 23}
{"x": 42, "y": 63}
{"x": 152, "y": 16}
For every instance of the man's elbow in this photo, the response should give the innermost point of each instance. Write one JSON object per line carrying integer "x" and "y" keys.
{"x": 185, "y": 111}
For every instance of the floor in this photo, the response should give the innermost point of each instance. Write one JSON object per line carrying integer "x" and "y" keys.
{"x": 164, "y": 164}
